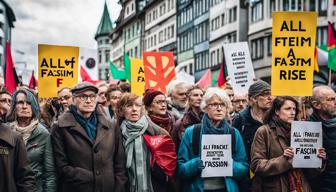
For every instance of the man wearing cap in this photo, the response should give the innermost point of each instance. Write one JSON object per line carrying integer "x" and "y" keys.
{"x": 251, "y": 118}
{"x": 88, "y": 148}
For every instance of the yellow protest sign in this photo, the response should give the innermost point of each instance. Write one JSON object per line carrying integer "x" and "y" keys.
{"x": 137, "y": 77}
{"x": 293, "y": 44}
{"x": 57, "y": 68}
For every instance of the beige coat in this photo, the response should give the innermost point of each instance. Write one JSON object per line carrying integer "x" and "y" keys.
{"x": 268, "y": 163}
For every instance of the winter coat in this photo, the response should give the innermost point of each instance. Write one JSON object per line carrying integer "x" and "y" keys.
{"x": 86, "y": 165}
{"x": 41, "y": 159}
{"x": 192, "y": 180}
{"x": 16, "y": 174}
{"x": 271, "y": 168}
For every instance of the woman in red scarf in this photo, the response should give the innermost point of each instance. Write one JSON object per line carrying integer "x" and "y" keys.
{"x": 156, "y": 106}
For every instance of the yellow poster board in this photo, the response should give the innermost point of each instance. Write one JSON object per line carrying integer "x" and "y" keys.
{"x": 57, "y": 68}
{"x": 293, "y": 44}
{"x": 137, "y": 77}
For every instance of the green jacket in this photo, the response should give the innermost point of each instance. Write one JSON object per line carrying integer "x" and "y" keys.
{"x": 41, "y": 159}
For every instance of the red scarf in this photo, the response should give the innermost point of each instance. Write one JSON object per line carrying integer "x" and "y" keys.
{"x": 164, "y": 121}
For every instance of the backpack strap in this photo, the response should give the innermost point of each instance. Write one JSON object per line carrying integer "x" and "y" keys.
{"x": 233, "y": 139}
{"x": 195, "y": 139}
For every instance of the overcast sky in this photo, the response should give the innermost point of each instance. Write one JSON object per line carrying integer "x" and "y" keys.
{"x": 60, "y": 22}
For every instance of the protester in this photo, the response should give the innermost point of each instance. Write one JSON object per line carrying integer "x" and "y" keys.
{"x": 177, "y": 98}
{"x": 64, "y": 99}
{"x": 113, "y": 95}
{"x": 125, "y": 87}
{"x": 102, "y": 88}
{"x": 5, "y": 103}
{"x": 193, "y": 115}
{"x": 229, "y": 91}
{"x": 25, "y": 114}
{"x": 239, "y": 102}
{"x": 156, "y": 105}
{"x": 49, "y": 113}
{"x": 88, "y": 148}
{"x": 250, "y": 119}
{"x": 271, "y": 154}
{"x": 134, "y": 125}
{"x": 323, "y": 103}
{"x": 215, "y": 104}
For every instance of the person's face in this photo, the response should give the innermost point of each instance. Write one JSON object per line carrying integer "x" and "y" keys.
{"x": 101, "y": 95}
{"x": 230, "y": 93}
{"x": 85, "y": 101}
{"x": 5, "y": 103}
{"x": 287, "y": 111}
{"x": 158, "y": 106}
{"x": 23, "y": 107}
{"x": 114, "y": 99}
{"x": 264, "y": 100}
{"x": 327, "y": 104}
{"x": 65, "y": 98}
{"x": 179, "y": 96}
{"x": 132, "y": 111}
{"x": 195, "y": 98}
{"x": 239, "y": 102}
{"x": 216, "y": 109}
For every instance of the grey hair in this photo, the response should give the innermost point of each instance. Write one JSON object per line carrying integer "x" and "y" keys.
{"x": 212, "y": 91}
{"x": 173, "y": 85}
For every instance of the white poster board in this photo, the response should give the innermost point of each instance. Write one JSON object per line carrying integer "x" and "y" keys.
{"x": 239, "y": 66}
{"x": 216, "y": 155}
{"x": 306, "y": 138}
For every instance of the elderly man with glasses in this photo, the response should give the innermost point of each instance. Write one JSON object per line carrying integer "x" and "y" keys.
{"x": 323, "y": 103}
{"x": 88, "y": 148}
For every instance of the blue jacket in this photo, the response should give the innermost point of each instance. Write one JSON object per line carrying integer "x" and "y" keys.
{"x": 187, "y": 168}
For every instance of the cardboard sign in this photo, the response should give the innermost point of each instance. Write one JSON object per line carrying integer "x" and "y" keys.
{"x": 57, "y": 68}
{"x": 306, "y": 138}
{"x": 216, "y": 155}
{"x": 159, "y": 69}
{"x": 137, "y": 77}
{"x": 293, "y": 44}
{"x": 239, "y": 65}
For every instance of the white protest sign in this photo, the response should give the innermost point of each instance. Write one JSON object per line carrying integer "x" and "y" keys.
{"x": 239, "y": 66}
{"x": 216, "y": 155}
{"x": 306, "y": 138}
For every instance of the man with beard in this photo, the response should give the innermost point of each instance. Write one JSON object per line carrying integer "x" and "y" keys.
{"x": 192, "y": 116}
{"x": 323, "y": 102}
{"x": 251, "y": 118}
{"x": 177, "y": 98}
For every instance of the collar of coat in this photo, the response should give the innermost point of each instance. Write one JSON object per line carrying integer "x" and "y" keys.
{"x": 6, "y": 134}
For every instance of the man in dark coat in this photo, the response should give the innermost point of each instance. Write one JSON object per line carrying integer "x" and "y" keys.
{"x": 324, "y": 110}
{"x": 15, "y": 172}
{"x": 88, "y": 148}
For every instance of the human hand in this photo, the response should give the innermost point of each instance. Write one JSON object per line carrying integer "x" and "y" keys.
{"x": 321, "y": 153}
{"x": 288, "y": 153}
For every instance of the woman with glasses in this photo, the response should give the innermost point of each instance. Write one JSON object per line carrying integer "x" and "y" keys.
{"x": 215, "y": 103}
{"x": 134, "y": 125}
{"x": 156, "y": 106}
{"x": 24, "y": 117}
{"x": 271, "y": 154}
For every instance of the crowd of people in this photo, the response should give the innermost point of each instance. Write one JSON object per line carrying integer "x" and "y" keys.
{"x": 95, "y": 138}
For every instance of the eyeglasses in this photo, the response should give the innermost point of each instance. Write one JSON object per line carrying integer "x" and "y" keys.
{"x": 65, "y": 97}
{"x": 216, "y": 105}
{"x": 240, "y": 101}
{"x": 7, "y": 101}
{"x": 160, "y": 102}
{"x": 84, "y": 97}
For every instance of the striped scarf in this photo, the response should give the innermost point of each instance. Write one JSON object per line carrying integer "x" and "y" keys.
{"x": 137, "y": 155}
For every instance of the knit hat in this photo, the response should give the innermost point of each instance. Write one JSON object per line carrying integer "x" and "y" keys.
{"x": 149, "y": 95}
{"x": 258, "y": 87}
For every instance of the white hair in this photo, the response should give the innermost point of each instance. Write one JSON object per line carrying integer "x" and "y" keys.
{"x": 212, "y": 91}
{"x": 173, "y": 85}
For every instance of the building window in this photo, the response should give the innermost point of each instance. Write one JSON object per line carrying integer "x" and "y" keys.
{"x": 99, "y": 56}
{"x": 269, "y": 45}
{"x": 107, "y": 41}
{"x": 257, "y": 11}
{"x": 322, "y": 7}
{"x": 257, "y": 48}
{"x": 321, "y": 36}
{"x": 136, "y": 51}
{"x": 107, "y": 56}
{"x": 132, "y": 6}
{"x": 272, "y": 8}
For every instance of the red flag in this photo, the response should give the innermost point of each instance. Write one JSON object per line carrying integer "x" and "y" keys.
{"x": 11, "y": 79}
{"x": 331, "y": 36}
{"x": 205, "y": 81}
{"x": 32, "y": 81}
{"x": 222, "y": 73}
{"x": 85, "y": 76}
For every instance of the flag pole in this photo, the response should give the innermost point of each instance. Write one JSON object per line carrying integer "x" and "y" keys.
{"x": 329, "y": 80}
